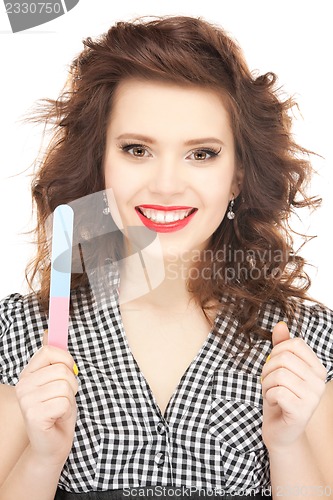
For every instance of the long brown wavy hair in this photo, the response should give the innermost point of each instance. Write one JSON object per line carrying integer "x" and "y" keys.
{"x": 251, "y": 258}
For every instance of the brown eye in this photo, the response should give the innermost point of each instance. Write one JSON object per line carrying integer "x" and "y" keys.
{"x": 138, "y": 151}
{"x": 200, "y": 155}
{"x": 204, "y": 155}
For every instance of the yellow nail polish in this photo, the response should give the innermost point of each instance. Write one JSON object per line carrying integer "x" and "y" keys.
{"x": 75, "y": 370}
{"x": 282, "y": 322}
{"x": 268, "y": 358}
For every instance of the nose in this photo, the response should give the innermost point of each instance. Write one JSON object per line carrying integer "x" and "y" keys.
{"x": 168, "y": 177}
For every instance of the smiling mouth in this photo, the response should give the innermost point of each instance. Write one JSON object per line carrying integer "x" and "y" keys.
{"x": 165, "y": 215}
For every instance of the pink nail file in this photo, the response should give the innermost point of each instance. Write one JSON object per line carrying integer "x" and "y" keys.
{"x": 61, "y": 264}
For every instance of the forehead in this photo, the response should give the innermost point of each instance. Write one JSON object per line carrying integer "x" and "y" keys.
{"x": 154, "y": 106}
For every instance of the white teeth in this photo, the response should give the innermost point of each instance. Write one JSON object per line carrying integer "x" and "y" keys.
{"x": 159, "y": 217}
{"x": 163, "y": 216}
{"x": 168, "y": 217}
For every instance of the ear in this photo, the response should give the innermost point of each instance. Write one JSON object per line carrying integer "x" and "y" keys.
{"x": 237, "y": 183}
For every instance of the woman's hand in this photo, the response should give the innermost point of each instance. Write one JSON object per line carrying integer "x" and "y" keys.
{"x": 293, "y": 382}
{"x": 46, "y": 394}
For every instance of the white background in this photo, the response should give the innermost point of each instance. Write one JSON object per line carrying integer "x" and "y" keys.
{"x": 292, "y": 38}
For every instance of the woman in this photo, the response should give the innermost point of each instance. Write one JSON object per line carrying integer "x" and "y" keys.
{"x": 164, "y": 119}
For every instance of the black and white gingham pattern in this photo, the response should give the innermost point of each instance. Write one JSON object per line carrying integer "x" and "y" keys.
{"x": 210, "y": 435}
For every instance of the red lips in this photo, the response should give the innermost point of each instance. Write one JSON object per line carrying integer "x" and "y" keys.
{"x": 165, "y": 227}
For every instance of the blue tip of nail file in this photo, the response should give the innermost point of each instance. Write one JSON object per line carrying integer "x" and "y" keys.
{"x": 61, "y": 264}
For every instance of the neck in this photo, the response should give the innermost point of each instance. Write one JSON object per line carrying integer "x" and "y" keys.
{"x": 155, "y": 283}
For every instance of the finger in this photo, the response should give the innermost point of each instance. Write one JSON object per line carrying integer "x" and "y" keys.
{"x": 51, "y": 391}
{"x": 48, "y": 374}
{"x": 284, "y": 399}
{"x": 299, "y": 348}
{"x": 58, "y": 372}
{"x": 292, "y": 406}
{"x": 46, "y": 413}
{"x": 56, "y": 389}
{"x": 67, "y": 410}
{"x": 45, "y": 337}
{"x": 282, "y": 377}
{"x": 280, "y": 333}
{"x": 289, "y": 361}
{"x": 48, "y": 355}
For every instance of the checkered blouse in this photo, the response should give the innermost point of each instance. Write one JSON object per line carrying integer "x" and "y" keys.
{"x": 210, "y": 434}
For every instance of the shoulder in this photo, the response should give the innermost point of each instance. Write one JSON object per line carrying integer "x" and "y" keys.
{"x": 21, "y": 327}
{"x": 17, "y": 309}
{"x": 315, "y": 324}
{"x": 313, "y": 313}
{"x": 9, "y": 307}
{"x": 311, "y": 321}
{"x": 317, "y": 331}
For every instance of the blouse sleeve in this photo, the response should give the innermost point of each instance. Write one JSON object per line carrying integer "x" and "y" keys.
{"x": 20, "y": 335}
{"x": 317, "y": 331}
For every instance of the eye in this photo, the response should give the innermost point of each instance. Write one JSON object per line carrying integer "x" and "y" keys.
{"x": 204, "y": 154}
{"x": 136, "y": 150}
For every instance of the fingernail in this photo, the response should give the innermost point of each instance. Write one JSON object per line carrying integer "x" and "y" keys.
{"x": 268, "y": 358}
{"x": 75, "y": 370}
{"x": 282, "y": 322}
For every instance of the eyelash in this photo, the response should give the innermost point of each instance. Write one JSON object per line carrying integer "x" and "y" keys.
{"x": 126, "y": 147}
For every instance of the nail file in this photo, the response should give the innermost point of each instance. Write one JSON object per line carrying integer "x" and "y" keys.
{"x": 61, "y": 263}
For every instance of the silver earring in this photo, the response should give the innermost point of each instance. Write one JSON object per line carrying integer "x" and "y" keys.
{"x": 231, "y": 213}
{"x": 106, "y": 209}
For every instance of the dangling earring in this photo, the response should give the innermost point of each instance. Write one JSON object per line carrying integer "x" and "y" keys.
{"x": 106, "y": 209}
{"x": 231, "y": 213}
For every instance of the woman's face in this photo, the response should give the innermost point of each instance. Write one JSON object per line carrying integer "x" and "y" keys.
{"x": 170, "y": 162}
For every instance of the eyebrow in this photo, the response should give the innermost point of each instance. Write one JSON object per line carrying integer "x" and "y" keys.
{"x": 191, "y": 142}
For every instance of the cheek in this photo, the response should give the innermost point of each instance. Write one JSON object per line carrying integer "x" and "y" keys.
{"x": 218, "y": 195}
{"x": 218, "y": 206}
{"x": 219, "y": 212}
